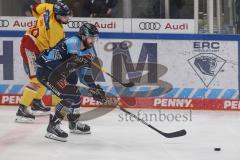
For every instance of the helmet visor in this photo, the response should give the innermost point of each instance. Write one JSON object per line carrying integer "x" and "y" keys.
{"x": 93, "y": 37}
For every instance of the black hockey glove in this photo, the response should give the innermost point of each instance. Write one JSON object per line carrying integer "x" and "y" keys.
{"x": 98, "y": 93}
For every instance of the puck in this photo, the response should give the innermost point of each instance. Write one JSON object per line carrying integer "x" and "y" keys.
{"x": 217, "y": 149}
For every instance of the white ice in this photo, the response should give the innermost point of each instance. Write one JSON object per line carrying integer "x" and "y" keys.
{"x": 115, "y": 139}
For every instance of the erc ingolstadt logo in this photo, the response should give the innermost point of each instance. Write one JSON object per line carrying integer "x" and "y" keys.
{"x": 207, "y": 66}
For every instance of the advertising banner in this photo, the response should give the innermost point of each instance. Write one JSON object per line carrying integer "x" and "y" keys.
{"x": 162, "y": 26}
{"x": 108, "y": 24}
{"x": 183, "y": 64}
{"x": 160, "y": 68}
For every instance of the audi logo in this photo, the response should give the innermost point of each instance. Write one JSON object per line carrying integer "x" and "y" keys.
{"x": 124, "y": 45}
{"x": 76, "y": 24}
{"x": 4, "y": 23}
{"x": 149, "y": 25}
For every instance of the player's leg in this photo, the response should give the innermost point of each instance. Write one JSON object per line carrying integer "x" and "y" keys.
{"x": 24, "y": 114}
{"x": 28, "y": 52}
{"x": 75, "y": 126}
{"x": 37, "y": 105}
{"x": 29, "y": 92}
{"x": 62, "y": 109}
{"x": 34, "y": 91}
{"x": 53, "y": 130}
{"x": 30, "y": 69}
{"x": 65, "y": 107}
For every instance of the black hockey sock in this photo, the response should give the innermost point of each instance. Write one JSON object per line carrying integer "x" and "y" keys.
{"x": 73, "y": 117}
{"x": 57, "y": 116}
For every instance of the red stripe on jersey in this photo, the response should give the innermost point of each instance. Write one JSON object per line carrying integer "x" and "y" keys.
{"x": 34, "y": 7}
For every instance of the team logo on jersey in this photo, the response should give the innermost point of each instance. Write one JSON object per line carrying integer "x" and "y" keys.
{"x": 46, "y": 17}
{"x": 207, "y": 66}
{"x": 90, "y": 56}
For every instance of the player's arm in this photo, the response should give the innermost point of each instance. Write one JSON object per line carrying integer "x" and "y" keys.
{"x": 85, "y": 75}
{"x": 86, "y": 78}
{"x": 40, "y": 8}
{"x": 85, "y": 72}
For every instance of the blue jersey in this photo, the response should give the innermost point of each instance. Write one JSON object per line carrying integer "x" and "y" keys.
{"x": 62, "y": 51}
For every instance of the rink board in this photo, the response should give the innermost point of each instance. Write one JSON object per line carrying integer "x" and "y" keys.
{"x": 177, "y": 71}
{"x": 149, "y": 102}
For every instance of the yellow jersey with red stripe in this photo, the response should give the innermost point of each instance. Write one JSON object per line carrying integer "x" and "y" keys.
{"x": 48, "y": 31}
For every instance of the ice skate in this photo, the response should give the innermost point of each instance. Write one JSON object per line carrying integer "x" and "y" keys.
{"x": 39, "y": 109}
{"x": 54, "y": 131}
{"x": 79, "y": 128}
{"x": 23, "y": 115}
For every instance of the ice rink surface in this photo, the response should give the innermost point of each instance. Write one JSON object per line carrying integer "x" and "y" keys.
{"x": 117, "y": 138}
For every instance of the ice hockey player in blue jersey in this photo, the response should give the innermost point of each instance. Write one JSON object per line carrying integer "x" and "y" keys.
{"x": 57, "y": 70}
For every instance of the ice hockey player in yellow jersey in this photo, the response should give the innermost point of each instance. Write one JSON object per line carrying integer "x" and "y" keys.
{"x": 47, "y": 32}
{"x": 49, "y": 24}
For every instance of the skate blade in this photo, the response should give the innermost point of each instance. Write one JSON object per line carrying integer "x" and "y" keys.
{"x": 54, "y": 137}
{"x": 20, "y": 119}
{"x": 41, "y": 113}
{"x": 79, "y": 132}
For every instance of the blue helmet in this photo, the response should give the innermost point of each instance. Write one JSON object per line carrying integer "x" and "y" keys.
{"x": 88, "y": 29}
{"x": 61, "y": 9}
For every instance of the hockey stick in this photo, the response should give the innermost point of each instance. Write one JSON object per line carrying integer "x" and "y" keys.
{"x": 129, "y": 84}
{"x": 167, "y": 135}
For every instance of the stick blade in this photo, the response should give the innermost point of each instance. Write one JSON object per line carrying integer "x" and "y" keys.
{"x": 180, "y": 133}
